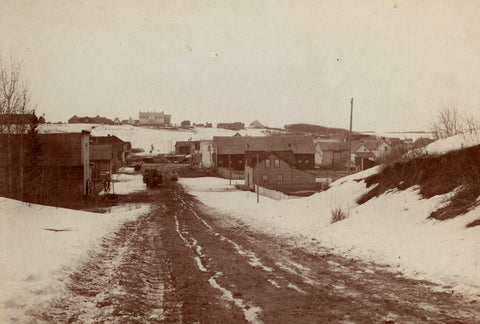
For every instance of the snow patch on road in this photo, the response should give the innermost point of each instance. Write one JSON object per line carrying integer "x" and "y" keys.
{"x": 250, "y": 312}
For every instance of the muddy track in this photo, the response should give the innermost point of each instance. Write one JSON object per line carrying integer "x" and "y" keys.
{"x": 185, "y": 263}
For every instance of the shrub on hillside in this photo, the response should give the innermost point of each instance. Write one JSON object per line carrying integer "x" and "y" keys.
{"x": 396, "y": 154}
{"x": 337, "y": 215}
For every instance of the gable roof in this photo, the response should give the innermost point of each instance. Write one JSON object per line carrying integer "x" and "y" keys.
{"x": 333, "y": 146}
{"x": 286, "y": 156}
{"x": 256, "y": 124}
{"x": 299, "y": 144}
{"x": 110, "y": 139}
{"x": 371, "y": 145}
{"x": 89, "y": 120}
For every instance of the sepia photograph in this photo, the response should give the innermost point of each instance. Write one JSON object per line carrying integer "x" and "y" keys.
{"x": 287, "y": 161}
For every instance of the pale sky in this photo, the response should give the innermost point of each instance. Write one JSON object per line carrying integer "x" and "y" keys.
{"x": 280, "y": 62}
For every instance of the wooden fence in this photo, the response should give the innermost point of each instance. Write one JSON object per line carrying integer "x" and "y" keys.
{"x": 277, "y": 195}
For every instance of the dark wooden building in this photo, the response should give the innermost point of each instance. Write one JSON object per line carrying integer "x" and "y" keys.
{"x": 275, "y": 170}
{"x": 233, "y": 148}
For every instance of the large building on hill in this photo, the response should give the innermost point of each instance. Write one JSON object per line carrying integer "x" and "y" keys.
{"x": 90, "y": 120}
{"x": 153, "y": 118}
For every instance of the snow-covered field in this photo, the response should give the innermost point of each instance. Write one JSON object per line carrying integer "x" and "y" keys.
{"x": 162, "y": 140}
{"x": 392, "y": 229}
{"x": 40, "y": 246}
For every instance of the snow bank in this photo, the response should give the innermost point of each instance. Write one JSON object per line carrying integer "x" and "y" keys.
{"x": 452, "y": 143}
{"x": 41, "y": 245}
{"x": 392, "y": 229}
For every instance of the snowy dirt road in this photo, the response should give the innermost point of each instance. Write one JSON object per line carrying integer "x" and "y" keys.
{"x": 184, "y": 263}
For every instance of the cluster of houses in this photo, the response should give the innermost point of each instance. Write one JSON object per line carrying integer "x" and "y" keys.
{"x": 153, "y": 118}
{"x": 279, "y": 161}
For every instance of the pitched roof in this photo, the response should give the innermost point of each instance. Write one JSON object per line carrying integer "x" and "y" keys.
{"x": 286, "y": 156}
{"x": 256, "y": 124}
{"x": 89, "y": 120}
{"x": 333, "y": 146}
{"x": 372, "y": 145}
{"x": 110, "y": 139}
{"x": 299, "y": 144}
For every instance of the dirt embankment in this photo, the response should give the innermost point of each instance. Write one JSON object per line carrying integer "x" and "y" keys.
{"x": 435, "y": 175}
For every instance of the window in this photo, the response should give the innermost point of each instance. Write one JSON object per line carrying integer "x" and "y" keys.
{"x": 386, "y": 148}
{"x": 267, "y": 163}
{"x": 299, "y": 161}
{"x": 306, "y": 161}
{"x": 240, "y": 161}
{"x": 277, "y": 163}
{"x": 279, "y": 179}
{"x": 265, "y": 178}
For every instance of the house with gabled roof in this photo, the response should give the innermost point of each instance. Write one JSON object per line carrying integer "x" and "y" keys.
{"x": 367, "y": 152}
{"x": 275, "y": 169}
{"x": 231, "y": 149}
{"x": 121, "y": 150}
{"x": 331, "y": 153}
{"x": 371, "y": 148}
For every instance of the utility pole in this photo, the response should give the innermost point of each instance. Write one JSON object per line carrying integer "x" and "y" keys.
{"x": 111, "y": 176}
{"x": 350, "y": 138}
{"x": 256, "y": 178}
{"x": 229, "y": 169}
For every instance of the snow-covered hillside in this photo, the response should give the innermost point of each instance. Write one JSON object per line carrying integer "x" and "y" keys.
{"x": 452, "y": 143}
{"x": 162, "y": 140}
{"x": 392, "y": 228}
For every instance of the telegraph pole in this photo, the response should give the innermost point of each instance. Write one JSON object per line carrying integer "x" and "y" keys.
{"x": 256, "y": 178}
{"x": 229, "y": 169}
{"x": 350, "y": 138}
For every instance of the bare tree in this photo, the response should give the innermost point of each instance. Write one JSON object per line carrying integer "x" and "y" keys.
{"x": 14, "y": 104}
{"x": 447, "y": 122}
{"x": 472, "y": 124}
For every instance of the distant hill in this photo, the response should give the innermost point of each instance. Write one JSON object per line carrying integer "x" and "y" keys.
{"x": 321, "y": 131}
